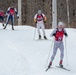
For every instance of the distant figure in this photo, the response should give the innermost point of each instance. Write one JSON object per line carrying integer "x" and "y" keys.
{"x": 58, "y": 34}
{"x": 40, "y": 19}
{"x": 10, "y": 15}
{"x": 2, "y": 16}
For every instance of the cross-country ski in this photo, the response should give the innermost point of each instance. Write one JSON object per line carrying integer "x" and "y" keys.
{"x": 63, "y": 68}
{"x": 58, "y": 67}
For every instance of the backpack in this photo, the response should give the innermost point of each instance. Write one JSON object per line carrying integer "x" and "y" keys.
{"x": 39, "y": 17}
{"x": 11, "y": 11}
{"x": 59, "y": 35}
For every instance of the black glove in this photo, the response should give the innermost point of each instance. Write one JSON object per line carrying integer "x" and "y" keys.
{"x": 54, "y": 34}
{"x": 18, "y": 17}
{"x": 65, "y": 34}
{"x": 36, "y": 22}
{"x": 44, "y": 21}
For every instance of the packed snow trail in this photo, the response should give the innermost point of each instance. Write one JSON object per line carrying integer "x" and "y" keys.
{"x": 21, "y": 55}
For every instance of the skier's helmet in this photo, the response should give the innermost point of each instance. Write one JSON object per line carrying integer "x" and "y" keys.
{"x": 60, "y": 24}
{"x": 39, "y": 12}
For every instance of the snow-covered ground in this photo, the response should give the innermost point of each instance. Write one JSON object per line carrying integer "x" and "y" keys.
{"x": 21, "y": 55}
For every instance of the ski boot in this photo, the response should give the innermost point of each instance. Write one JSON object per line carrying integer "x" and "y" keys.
{"x": 50, "y": 64}
{"x": 39, "y": 36}
{"x": 4, "y": 27}
{"x": 45, "y": 37}
{"x": 60, "y": 64}
{"x": 12, "y": 28}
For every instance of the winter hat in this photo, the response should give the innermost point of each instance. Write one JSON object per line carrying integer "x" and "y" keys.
{"x": 39, "y": 12}
{"x": 60, "y": 24}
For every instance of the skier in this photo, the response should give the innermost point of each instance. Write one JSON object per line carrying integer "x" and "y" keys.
{"x": 58, "y": 43}
{"x": 10, "y": 15}
{"x": 40, "y": 19}
{"x": 2, "y": 16}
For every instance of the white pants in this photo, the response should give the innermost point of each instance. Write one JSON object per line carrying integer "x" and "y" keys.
{"x": 41, "y": 25}
{"x": 58, "y": 44}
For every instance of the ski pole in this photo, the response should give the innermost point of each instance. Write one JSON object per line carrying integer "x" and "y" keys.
{"x": 66, "y": 51}
{"x": 49, "y": 52}
{"x": 34, "y": 34}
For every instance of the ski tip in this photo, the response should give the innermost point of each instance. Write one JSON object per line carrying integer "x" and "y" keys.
{"x": 46, "y": 70}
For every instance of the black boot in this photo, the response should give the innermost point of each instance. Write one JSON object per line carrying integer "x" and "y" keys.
{"x": 45, "y": 37}
{"x": 61, "y": 65}
{"x": 12, "y": 28}
{"x": 39, "y": 36}
{"x": 4, "y": 27}
{"x": 50, "y": 64}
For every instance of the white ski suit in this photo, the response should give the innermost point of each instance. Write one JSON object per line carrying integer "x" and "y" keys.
{"x": 40, "y": 23}
{"x": 58, "y": 43}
